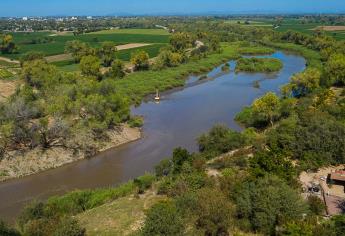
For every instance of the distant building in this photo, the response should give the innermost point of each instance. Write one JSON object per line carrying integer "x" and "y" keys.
{"x": 25, "y": 18}
{"x": 89, "y": 17}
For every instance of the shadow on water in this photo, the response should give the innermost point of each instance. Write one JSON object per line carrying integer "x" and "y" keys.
{"x": 177, "y": 120}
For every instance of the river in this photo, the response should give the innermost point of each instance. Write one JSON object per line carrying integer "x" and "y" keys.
{"x": 177, "y": 120}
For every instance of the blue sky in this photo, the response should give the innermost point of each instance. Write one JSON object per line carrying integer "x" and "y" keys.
{"x": 104, "y": 7}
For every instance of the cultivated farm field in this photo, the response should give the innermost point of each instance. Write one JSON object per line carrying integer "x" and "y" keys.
{"x": 53, "y": 44}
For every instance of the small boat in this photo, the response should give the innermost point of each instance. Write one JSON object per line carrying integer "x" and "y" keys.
{"x": 157, "y": 98}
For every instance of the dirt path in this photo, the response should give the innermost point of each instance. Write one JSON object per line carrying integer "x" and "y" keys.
{"x": 9, "y": 60}
{"x": 132, "y": 45}
{"x": 331, "y": 28}
{"x": 60, "y": 57}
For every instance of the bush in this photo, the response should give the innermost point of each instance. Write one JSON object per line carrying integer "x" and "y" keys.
{"x": 316, "y": 205}
{"x": 221, "y": 139}
{"x": 144, "y": 182}
{"x": 258, "y": 65}
{"x": 268, "y": 202}
{"x": 163, "y": 219}
{"x": 163, "y": 168}
{"x": 136, "y": 122}
{"x": 5, "y": 230}
{"x": 69, "y": 227}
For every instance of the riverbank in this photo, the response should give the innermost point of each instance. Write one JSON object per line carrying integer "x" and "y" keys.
{"x": 19, "y": 164}
{"x": 313, "y": 57}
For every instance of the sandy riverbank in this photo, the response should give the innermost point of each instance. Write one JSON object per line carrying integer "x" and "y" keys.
{"x": 37, "y": 160}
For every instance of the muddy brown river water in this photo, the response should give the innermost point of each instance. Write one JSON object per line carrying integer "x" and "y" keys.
{"x": 176, "y": 121}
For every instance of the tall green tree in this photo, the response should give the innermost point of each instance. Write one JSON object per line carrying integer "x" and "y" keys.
{"x": 7, "y": 45}
{"x": 78, "y": 49}
{"x": 303, "y": 83}
{"x": 107, "y": 53}
{"x": 140, "y": 60}
{"x": 267, "y": 107}
{"x": 335, "y": 69}
{"x": 90, "y": 66}
{"x": 117, "y": 69}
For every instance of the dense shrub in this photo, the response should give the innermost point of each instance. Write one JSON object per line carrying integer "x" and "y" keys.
{"x": 258, "y": 65}
{"x": 163, "y": 219}
{"x": 221, "y": 139}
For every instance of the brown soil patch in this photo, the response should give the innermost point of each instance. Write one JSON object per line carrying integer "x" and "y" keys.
{"x": 131, "y": 45}
{"x": 17, "y": 164}
{"x": 331, "y": 28}
{"x": 60, "y": 57}
{"x": 7, "y": 88}
{"x": 9, "y": 60}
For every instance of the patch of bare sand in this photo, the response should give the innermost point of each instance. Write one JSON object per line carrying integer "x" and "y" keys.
{"x": 131, "y": 45}
{"x": 331, "y": 28}
{"x": 9, "y": 60}
{"x": 22, "y": 164}
{"x": 60, "y": 57}
{"x": 7, "y": 88}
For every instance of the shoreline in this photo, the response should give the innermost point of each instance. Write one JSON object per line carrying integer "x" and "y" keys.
{"x": 36, "y": 161}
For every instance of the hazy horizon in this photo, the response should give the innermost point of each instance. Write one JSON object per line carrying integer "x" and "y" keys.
{"x": 18, "y": 8}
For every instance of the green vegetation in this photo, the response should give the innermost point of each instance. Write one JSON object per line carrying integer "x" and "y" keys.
{"x": 7, "y": 45}
{"x": 238, "y": 183}
{"x": 133, "y": 31}
{"x": 27, "y": 42}
{"x": 258, "y": 65}
{"x": 5, "y": 74}
{"x": 123, "y": 215}
{"x": 138, "y": 85}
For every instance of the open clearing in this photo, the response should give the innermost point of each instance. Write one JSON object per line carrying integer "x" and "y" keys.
{"x": 54, "y": 45}
{"x": 120, "y": 217}
{"x": 60, "y": 57}
{"x": 331, "y": 28}
{"x": 65, "y": 56}
{"x": 7, "y": 88}
{"x": 133, "y": 31}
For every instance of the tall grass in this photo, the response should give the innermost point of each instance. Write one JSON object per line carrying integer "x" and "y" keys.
{"x": 138, "y": 85}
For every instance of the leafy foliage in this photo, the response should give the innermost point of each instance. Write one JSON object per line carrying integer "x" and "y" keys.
{"x": 258, "y": 65}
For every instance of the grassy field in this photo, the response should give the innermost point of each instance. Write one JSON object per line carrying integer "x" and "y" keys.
{"x": 120, "y": 217}
{"x": 133, "y": 31}
{"x": 249, "y": 22}
{"x": 125, "y": 55}
{"x": 308, "y": 28}
{"x": 5, "y": 74}
{"x": 55, "y": 44}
